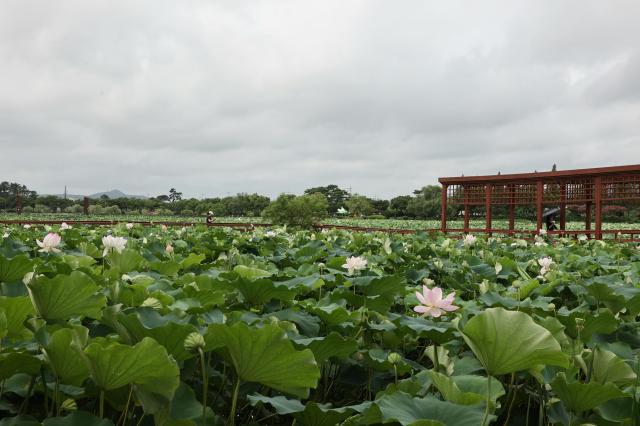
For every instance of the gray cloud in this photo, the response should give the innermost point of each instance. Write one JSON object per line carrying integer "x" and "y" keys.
{"x": 383, "y": 97}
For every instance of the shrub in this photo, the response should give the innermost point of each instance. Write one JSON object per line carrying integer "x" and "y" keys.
{"x": 187, "y": 212}
{"x": 298, "y": 211}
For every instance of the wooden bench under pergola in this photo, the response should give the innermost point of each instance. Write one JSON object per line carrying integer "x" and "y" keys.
{"x": 592, "y": 188}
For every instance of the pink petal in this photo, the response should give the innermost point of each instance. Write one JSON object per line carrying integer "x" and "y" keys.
{"x": 39, "y": 243}
{"x": 450, "y": 308}
{"x": 421, "y": 298}
{"x": 450, "y": 297}
{"x": 435, "y": 312}
{"x": 436, "y": 296}
{"x": 421, "y": 309}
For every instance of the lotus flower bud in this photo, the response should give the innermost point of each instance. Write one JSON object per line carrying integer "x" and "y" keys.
{"x": 152, "y": 302}
{"x": 551, "y": 306}
{"x": 194, "y": 341}
{"x": 579, "y": 324}
{"x": 69, "y": 405}
{"x": 394, "y": 358}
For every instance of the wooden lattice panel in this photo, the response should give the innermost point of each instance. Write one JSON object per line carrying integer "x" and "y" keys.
{"x": 621, "y": 188}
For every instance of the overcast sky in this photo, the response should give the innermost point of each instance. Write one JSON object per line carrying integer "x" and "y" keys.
{"x": 217, "y": 97}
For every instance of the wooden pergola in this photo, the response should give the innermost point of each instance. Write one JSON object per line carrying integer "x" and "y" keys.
{"x": 592, "y": 188}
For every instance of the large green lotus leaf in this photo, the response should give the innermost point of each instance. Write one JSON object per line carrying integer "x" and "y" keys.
{"x": 191, "y": 260}
{"x": 184, "y": 404}
{"x": 265, "y": 355}
{"x": 603, "y": 322}
{"x": 77, "y": 418}
{"x": 509, "y": 341}
{"x": 63, "y": 351}
{"x": 608, "y": 367}
{"x": 147, "y": 322}
{"x": 76, "y": 262}
{"x": 309, "y": 325}
{"x": 330, "y": 346}
{"x": 165, "y": 267}
{"x": 466, "y": 390}
{"x": 579, "y": 397}
{"x": 127, "y": 261}
{"x": 146, "y": 364}
{"x": 15, "y": 268}
{"x": 261, "y": 291}
{"x": 406, "y": 410}
{"x": 66, "y": 296}
{"x": 4, "y": 328}
{"x": 21, "y": 420}
{"x": 251, "y": 274}
{"x": 18, "y": 362}
{"x": 16, "y": 309}
{"x": 311, "y": 414}
{"x": 332, "y": 314}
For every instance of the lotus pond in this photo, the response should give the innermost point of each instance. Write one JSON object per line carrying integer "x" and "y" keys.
{"x": 146, "y": 325}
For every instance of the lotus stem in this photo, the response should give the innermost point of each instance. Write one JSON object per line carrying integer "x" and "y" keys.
{"x": 44, "y": 391}
{"x": 232, "y": 414}
{"x": 486, "y": 409}
{"x": 101, "y": 404}
{"x": 205, "y": 386}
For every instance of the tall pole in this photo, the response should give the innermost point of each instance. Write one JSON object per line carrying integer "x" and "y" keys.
{"x": 512, "y": 208}
{"x": 85, "y": 205}
{"x": 487, "y": 207}
{"x": 443, "y": 208}
{"x": 466, "y": 209}
{"x": 539, "y": 194}
{"x": 598, "y": 202}
{"x": 563, "y": 206}
{"x": 18, "y": 202}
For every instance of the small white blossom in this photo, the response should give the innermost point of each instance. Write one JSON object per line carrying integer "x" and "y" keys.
{"x": 469, "y": 240}
{"x": 354, "y": 263}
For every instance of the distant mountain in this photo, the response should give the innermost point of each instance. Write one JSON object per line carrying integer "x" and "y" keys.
{"x": 113, "y": 194}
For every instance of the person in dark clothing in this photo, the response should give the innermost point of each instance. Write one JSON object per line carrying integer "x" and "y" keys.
{"x": 550, "y": 218}
{"x": 209, "y": 217}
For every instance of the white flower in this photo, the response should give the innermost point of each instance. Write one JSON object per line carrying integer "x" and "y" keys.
{"x": 169, "y": 248}
{"x": 144, "y": 240}
{"x": 270, "y": 234}
{"x": 113, "y": 243}
{"x": 469, "y": 240}
{"x": 27, "y": 226}
{"x": 129, "y": 225}
{"x": 354, "y": 263}
{"x": 542, "y": 232}
{"x": 342, "y": 210}
{"x": 582, "y": 238}
{"x": 49, "y": 243}
{"x": 164, "y": 227}
{"x": 64, "y": 226}
{"x": 545, "y": 264}
{"x": 5, "y": 235}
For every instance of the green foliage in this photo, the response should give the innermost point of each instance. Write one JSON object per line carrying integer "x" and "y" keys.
{"x": 359, "y": 205}
{"x": 299, "y": 211}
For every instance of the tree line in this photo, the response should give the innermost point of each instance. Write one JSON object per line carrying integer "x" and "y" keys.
{"x": 321, "y": 201}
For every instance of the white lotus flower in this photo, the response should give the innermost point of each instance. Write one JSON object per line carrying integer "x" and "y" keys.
{"x": 169, "y": 248}
{"x": 164, "y": 227}
{"x": 270, "y": 234}
{"x": 5, "y": 235}
{"x": 112, "y": 243}
{"x": 469, "y": 240}
{"x": 49, "y": 243}
{"x": 27, "y": 226}
{"x": 64, "y": 226}
{"x": 545, "y": 264}
{"x": 542, "y": 232}
{"x": 129, "y": 225}
{"x": 354, "y": 263}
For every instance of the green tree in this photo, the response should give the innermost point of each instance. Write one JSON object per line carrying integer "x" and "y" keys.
{"x": 299, "y": 211}
{"x": 174, "y": 195}
{"x": 398, "y": 206}
{"x": 359, "y": 205}
{"x": 335, "y": 196}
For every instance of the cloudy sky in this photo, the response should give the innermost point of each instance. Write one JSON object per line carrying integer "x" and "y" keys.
{"x": 217, "y": 97}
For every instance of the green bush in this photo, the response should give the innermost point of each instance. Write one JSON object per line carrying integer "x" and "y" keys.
{"x": 298, "y": 211}
{"x": 187, "y": 212}
{"x": 359, "y": 205}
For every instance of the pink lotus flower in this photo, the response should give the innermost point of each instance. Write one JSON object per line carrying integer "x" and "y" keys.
{"x": 169, "y": 248}
{"x": 432, "y": 302}
{"x": 49, "y": 243}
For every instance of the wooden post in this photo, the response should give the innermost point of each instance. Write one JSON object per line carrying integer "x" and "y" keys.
{"x": 512, "y": 208}
{"x": 563, "y": 206}
{"x": 587, "y": 220}
{"x": 466, "y": 209}
{"x": 598, "y": 201}
{"x": 539, "y": 194}
{"x": 487, "y": 207}
{"x": 85, "y": 205}
{"x": 18, "y": 202}
{"x": 443, "y": 208}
